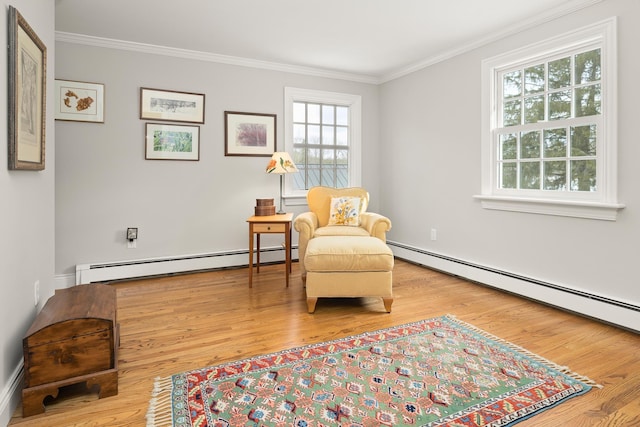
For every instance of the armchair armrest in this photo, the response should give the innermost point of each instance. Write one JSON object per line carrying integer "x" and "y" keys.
{"x": 306, "y": 224}
{"x": 376, "y": 224}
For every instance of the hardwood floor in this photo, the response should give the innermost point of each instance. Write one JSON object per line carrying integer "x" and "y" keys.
{"x": 173, "y": 324}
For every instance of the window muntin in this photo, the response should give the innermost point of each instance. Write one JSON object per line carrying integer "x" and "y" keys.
{"x": 320, "y": 145}
{"x": 543, "y": 145}
{"x": 323, "y": 135}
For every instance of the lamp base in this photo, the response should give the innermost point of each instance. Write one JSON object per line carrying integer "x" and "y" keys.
{"x": 281, "y": 212}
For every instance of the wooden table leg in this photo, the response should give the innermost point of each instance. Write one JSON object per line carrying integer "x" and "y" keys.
{"x": 287, "y": 252}
{"x": 250, "y": 254}
{"x": 257, "y": 252}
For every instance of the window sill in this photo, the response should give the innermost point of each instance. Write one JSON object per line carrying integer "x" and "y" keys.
{"x": 576, "y": 209}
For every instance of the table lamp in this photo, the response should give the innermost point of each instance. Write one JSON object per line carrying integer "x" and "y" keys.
{"x": 280, "y": 164}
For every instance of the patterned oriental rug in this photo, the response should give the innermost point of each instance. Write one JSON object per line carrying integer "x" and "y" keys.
{"x": 436, "y": 372}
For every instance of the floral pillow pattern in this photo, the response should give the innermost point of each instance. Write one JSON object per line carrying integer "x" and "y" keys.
{"x": 345, "y": 211}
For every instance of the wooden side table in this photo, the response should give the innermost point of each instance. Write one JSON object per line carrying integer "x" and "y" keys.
{"x": 270, "y": 224}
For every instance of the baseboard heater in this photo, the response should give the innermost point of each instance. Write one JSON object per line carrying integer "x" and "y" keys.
{"x": 600, "y": 307}
{"x": 121, "y": 270}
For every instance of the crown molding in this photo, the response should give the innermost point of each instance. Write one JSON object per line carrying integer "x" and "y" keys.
{"x": 209, "y": 57}
{"x": 549, "y": 15}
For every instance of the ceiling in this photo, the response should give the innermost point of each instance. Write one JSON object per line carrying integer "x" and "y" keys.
{"x": 377, "y": 39}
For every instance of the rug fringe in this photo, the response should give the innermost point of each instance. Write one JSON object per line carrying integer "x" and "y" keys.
{"x": 564, "y": 369}
{"x": 160, "y": 413}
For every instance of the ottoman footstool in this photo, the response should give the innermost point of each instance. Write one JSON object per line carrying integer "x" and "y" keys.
{"x": 348, "y": 266}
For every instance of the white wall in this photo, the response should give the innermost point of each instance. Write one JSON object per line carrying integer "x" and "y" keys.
{"x": 26, "y": 218}
{"x": 431, "y": 132}
{"x": 104, "y": 184}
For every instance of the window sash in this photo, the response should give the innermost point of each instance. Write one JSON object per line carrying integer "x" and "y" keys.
{"x": 601, "y": 204}
{"x": 354, "y": 105}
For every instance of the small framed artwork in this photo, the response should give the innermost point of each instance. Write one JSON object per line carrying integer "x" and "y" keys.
{"x": 172, "y": 106}
{"x": 27, "y": 89}
{"x": 79, "y": 101}
{"x": 249, "y": 134}
{"x": 172, "y": 142}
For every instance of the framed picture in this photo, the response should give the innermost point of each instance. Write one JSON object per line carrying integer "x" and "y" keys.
{"x": 172, "y": 142}
{"x": 172, "y": 106}
{"x": 79, "y": 101}
{"x": 249, "y": 134}
{"x": 27, "y": 89}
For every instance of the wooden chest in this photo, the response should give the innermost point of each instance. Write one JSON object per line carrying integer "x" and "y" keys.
{"x": 73, "y": 339}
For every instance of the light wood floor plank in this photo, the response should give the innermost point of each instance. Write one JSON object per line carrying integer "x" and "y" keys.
{"x": 177, "y": 323}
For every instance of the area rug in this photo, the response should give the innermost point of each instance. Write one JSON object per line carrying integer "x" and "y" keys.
{"x": 436, "y": 372}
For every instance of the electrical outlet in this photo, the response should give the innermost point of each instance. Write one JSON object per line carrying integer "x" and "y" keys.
{"x": 434, "y": 234}
{"x": 36, "y": 292}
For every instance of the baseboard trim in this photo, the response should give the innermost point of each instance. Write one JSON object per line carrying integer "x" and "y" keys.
{"x": 10, "y": 396}
{"x": 148, "y": 267}
{"x": 619, "y": 313}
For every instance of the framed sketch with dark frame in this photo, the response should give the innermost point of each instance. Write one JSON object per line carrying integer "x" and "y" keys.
{"x": 249, "y": 134}
{"x": 27, "y": 94}
{"x": 172, "y": 142}
{"x": 79, "y": 101}
{"x": 172, "y": 106}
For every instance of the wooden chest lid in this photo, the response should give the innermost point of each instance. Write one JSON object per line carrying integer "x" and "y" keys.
{"x": 93, "y": 301}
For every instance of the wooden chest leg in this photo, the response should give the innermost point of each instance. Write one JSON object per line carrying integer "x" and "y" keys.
{"x": 33, "y": 399}
{"x": 108, "y": 383}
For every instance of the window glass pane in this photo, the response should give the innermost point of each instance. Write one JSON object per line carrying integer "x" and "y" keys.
{"x": 313, "y": 113}
{"x": 327, "y": 135}
{"x": 508, "y": 146}
{"x": 299, "y": 179}
{"x": 511, "y": 113}
{"x": 588, "y": 100}
{"x": 555, "y": 175}
{"x": 588, "y": 67}
{"x": 342, "y": 116}
{"x": 512, "y": 84}
{"x": 342, "y": 168}
{"x": 298, "y": 134}
{"x": 299, "y": 112}
{"x": 560, "y": 73}
{"x": 560, "y": 105}
{"x": 342, "y": 136}
{"x": 534, "y": 79}
{"x": 555, "y": 143}
{"x": 509, "y": 175}
{"x": 583, "y": 175}
{"x": 328, "y": 168}
{"x": 583, "y": 140}
{"x": 313, "y": 134}
{"x": 530, "y": 175}
{"x": 328, "y": 114}
{"x": 530, "y": 145}
{"x": 534, "y": 109}
{"x": 313, "y": 167}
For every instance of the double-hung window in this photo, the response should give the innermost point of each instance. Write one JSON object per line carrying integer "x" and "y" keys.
{"x": 322, "y": 133}
{"x": 549, "y": 137}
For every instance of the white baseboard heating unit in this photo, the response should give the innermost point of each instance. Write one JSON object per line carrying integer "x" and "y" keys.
{"x": 120, "y": 270}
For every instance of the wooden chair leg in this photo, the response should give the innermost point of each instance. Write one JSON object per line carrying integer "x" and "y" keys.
{"x": 311, "y": 304}
{"x": 387, "y": 304}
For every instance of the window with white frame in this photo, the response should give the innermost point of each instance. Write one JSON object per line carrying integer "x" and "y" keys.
{"x": 549, "y": 127}
{"x": 322, "y": 133}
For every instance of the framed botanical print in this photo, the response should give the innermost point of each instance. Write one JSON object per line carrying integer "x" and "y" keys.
{"x": 27, "y": 89}
{"x": 249, "y": 134}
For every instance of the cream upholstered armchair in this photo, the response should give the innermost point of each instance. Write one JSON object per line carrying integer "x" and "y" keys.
{"x": 318, "y": 222}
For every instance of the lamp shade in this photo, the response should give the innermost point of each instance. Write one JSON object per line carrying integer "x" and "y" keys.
{"x": 281, "y": 163}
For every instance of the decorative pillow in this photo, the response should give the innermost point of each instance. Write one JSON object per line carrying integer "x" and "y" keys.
{"x": 345, "y": 211}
